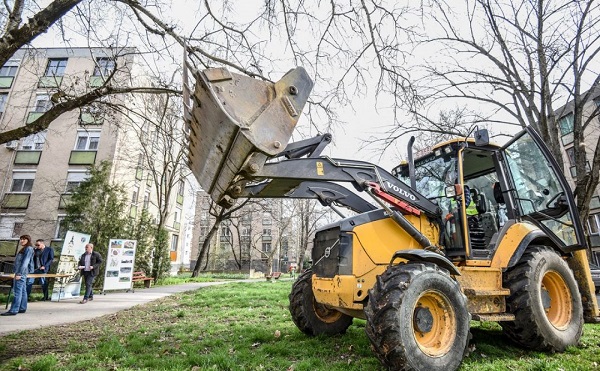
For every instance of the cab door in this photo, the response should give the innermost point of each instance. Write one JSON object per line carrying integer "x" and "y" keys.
{"x": 538, "y": 191}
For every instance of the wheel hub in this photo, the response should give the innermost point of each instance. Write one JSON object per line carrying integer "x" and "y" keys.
{"x": 423, "y": 320}
{"x": 546, "y": 300}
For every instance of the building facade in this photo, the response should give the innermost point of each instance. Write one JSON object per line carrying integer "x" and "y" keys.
{"x": 592, "y": 136}
{"x": 39, "y": 172}
{"x": 259, "y": 238}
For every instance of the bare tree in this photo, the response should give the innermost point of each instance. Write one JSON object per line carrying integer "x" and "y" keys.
{"x": 23, "y": 22}
{"x": 218, "y": 214}
{"x": 155, "y": 123}
{"x": 310, "y": 216}
{"x": 518, "y": 63}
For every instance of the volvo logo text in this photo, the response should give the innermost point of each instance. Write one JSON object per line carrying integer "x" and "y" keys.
{"x": 400, "y": 191}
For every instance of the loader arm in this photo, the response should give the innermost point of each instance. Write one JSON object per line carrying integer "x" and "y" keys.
{"x": 283, "y": 177}
{"x": 327, "y": 193}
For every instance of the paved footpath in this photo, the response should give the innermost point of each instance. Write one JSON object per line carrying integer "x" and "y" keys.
{"x": 48, "y": 313}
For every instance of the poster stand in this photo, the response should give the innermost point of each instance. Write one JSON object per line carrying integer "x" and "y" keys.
{"x": 73, "y": 247}
{"x": 120, "y": 261}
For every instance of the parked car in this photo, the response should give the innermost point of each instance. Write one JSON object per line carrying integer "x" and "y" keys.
{"x": 596, "y": 276}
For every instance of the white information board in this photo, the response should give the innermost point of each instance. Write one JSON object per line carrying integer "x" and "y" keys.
{"x": 119, "y": 264}
{"x": 73, "y": 247}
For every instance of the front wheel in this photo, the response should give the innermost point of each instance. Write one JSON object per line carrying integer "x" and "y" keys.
{"x": 545, "y": 299}
{"x": 417, "y": 318}
{"x": 311, "y": 317}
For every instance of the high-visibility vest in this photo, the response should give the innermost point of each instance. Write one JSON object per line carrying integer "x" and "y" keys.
{"x": 472, "y": 208}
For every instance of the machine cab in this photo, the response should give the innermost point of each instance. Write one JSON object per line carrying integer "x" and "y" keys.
{"x": 483, "y": 189}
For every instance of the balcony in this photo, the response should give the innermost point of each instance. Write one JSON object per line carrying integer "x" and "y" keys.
{"x": 28, "y": 157}
{"x": 64, "y": 200}
{"x": 96, "y": 81}
{"x": 139, "y": 173}
{"x": 133, "y": 211}
{"x": 176, "y": 226}
{"x": 16, "y": 201}
{"x": 180, "y": 199}
{"x": 267, "y": 238}
{"x": 50, "y": 81}
{"x": 34, "y": 116}
{"x": 82, "y": 158}
{"x": 87, "y": 118}
{"x": 6, "y": 81}
{"x": 8, "y": 248}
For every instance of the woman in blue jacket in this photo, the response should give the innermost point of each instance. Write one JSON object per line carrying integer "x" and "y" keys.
{"x": 23, "y": 266}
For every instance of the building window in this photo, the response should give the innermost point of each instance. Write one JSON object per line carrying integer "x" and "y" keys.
{"x": 87, "y": 141}
{"x": 3, "y": 99}
{"x": 181, "y": 188}
{"x": 266, "y": 247}
{"x": 146, "y": 200}
{"x": 266, "y": 232}
{"x": 247, "y": 219}
{"x": 566, "y": 124}
{"x": 74, "y": 180}
{"x": 225, "y": 231}
{"x": 17, "y": 229}
{"x": 594, "y": 224}
{"x": 34, "y": 142}
{"x": 8, "y": 71}
{"x": 60, "y": 231}
{"x": 134, "y": 196}
{"x": 104, "y": 66}
{"x": 174, "y": 240}
{"x": 56, "y": 67}
{"x": 571, "y": 155}
{"x": 11, "y": 227}
{"x": 22, "y": 182}
{"x": 42, "y": 103}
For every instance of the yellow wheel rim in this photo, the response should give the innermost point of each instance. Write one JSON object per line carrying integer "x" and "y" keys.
{"x": 559, "y": 310}
{"x": 325, "y": 314}
{"x": 434, "y": 323}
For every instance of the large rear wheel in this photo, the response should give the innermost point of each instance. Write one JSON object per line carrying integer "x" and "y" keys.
{"x": 417, "y": 318}
{"x": 311, "y": 317}
{"x": 545, "y": 299}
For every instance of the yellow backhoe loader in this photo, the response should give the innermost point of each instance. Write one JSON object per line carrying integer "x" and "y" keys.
{"x": 468, "y": 231}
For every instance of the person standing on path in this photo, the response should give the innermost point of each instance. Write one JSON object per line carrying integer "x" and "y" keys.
{"x": 23, "y": 266}
{"x": 89, "y": 265}
{"x": 42, "y": 260}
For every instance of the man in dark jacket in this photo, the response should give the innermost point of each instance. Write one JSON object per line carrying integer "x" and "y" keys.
{"x": 42, "y": 261}
{"x": 89, "y": 266}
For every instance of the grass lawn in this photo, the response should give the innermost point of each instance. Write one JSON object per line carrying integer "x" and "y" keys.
{"x": 243, "y": 326}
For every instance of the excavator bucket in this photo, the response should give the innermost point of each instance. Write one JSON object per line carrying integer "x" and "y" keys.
{"x": 237, "y": 122}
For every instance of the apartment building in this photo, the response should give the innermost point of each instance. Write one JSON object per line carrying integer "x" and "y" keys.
{"x": 262, "y": 232}
{"x": 592, "y": 136}
{"x": 40, "y": 171}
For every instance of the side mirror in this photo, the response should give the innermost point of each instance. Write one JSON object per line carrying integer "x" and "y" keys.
{"x": 482, "y": 137}
{"x": 454, "y": 190}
